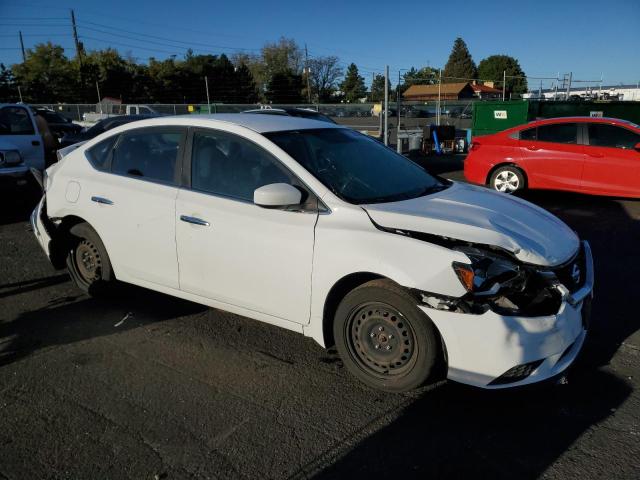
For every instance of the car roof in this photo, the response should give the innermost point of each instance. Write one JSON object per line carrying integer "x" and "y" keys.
{"x": 576, "y": 119}
{"x": 257, "y": 123}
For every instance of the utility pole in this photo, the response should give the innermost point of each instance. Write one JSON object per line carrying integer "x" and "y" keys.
{"x": 99, "y": 101}
{"x": 504, "y": 84}
{"x": 75, "y": 37}
{"x": 398, "y": 101}
{"x": 206, "y": 86}
{"x": 306, "y": 69}
{"x": 24, "y": 55}
{"x": 569, "y": 85}
{"x": 20, "y": 94}
{"x": 439, "y": 94}
{"x": 386, "y": 105}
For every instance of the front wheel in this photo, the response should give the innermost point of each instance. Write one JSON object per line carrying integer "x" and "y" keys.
{"x": 87, "y": 260}
{"x": 384, "y": 339}
{"x": 507, "y": 179}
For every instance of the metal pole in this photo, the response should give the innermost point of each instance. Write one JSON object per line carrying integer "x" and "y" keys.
{"x": 306, "y": 68}
{"x": 24, "y": 55}
{"x": 504, "y": 84}
{"x": 439, "y": 95}
{"x": 206, "y": 86}
{"x": 569, "y": 85}
{"x": 99, "y": 101}
{"x": 20, "y": 94}
{"x": 398, "y": 101}
{"x": 78, "y": 110}
{"x": 386, "y": 105}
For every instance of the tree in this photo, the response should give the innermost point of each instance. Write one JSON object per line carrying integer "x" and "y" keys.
{"x": 8, "y": 88}
{"x": 324, "y": 72}
{"x": 460, "y": 66}
{"x": 245, "y": 85}
{"x": 424, "y": 76}
{"x": 47, "y": 75}
{"x": 493, "y": 68}
{"x": 353, "y": 85}
{"x": 377, "y": 89}
{"x": 284, "y": 87}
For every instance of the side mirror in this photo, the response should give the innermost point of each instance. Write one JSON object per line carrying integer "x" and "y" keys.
{"x": 277, "y": 195}
{"x": 637, "y": 147}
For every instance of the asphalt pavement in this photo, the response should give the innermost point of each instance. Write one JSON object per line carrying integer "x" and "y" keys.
{"x": 146, "y": 386}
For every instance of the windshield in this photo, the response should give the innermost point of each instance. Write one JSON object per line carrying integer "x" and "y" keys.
{"x": 355, "y": 167}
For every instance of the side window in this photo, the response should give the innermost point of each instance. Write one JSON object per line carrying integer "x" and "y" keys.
{"x": 558, "y": 133}
{"x": 150, "y": 154}
{"x": 15, "y": 121}
{"x": 100, "y": 154}
{"x": 602, "y": 135}
{"x": 528, "y": 134}
{"x": 229, "y": 165}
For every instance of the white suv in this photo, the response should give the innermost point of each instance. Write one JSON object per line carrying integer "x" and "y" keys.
{"x": 319, "y": 229}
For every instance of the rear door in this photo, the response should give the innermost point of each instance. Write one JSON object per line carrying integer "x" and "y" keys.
{"x": 553, "y": 157}
{"x": 131, "y": 202}
{"x": 18, "y": 128}
{"x": 612, "y": 164}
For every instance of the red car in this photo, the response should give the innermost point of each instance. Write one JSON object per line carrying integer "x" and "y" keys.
{"x": 599, "y": 156}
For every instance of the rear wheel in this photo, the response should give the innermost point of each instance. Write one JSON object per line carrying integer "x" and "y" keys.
{"x": 507, "y": 179}
{"x": 384, "y": 339}
{"x": 87, "y": 260}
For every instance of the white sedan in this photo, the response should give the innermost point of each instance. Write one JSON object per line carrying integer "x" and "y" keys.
{"x": 319, "y": 229}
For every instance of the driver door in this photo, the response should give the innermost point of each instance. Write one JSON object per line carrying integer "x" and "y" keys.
{"x": 233, "y": 251}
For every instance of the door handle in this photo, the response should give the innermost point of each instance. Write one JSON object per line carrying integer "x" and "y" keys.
{"x": 102, "y": 200}
{"x": 194, "y": 220}
{"x": 532, "y": 147}
{"x": 595, "y": 155}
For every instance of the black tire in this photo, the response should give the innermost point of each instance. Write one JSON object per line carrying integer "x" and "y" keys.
{"x": 507, "y": 179}
{"x": 381, "y": 313}
{"x": 87, "y": 260}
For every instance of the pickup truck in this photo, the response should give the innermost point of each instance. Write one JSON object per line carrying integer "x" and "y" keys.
{"x": 21, "y": 144}
{"x": 119, "y": 110}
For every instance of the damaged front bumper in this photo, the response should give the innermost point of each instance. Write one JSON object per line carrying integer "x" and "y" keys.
{"x": 493, "y": 350}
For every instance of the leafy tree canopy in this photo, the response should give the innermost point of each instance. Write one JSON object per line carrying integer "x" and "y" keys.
{"x": 492, "y": 68}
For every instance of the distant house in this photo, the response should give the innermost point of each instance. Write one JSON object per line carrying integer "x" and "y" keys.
{"x": 486, "y": 91}
{"x": 448, "y": 91}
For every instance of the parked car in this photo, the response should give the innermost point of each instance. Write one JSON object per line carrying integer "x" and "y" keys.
{"x": 100, "y": 127}
{"x": 21, "y": 144}
{"x": 319, "y": 229}
{"x": 58, "y": 124}
{"x": 293, "y": 112}
{"x": 599, "y": 156}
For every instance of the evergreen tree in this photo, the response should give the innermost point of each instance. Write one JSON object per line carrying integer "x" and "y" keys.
{"x": 377, "y": 89}
{"x": 460, "y": 66}
{"x": 353, "y": 85}
{"x": 246, "y": 91}
{"x": 493, "y": 68}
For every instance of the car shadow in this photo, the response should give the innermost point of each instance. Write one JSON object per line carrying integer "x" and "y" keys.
{"x": 71, "y": 319}
{"x": 17, "y": 203}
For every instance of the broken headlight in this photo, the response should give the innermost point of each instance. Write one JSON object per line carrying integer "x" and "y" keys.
{"x": 488, "y": 274}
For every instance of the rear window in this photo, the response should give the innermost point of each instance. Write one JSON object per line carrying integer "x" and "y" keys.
{"x": 528, "y": 134}
{"x": 558, "y": 133}
{"x": 100, "y": 154}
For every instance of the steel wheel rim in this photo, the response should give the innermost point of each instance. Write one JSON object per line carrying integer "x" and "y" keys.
{"x": 88, "y": 261}
{"x": 381, "y": 340}
{"x": 506, "y": 181}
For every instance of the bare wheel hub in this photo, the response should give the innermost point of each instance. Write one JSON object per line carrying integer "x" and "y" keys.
{"x": 381, "y": 339}
{"x": 88, "y": 261}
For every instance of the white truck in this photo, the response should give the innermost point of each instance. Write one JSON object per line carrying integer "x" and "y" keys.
{"x": 21, "y": 144}
{"x": 91, "y": 118}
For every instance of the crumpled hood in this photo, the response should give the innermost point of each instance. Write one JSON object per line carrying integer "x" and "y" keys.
{"x": 478, "y": 215}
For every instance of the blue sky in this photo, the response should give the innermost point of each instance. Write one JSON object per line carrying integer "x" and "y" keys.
{"x": 586, "y": 37}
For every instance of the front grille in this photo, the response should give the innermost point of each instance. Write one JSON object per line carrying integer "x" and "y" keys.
{"x": 517, "y": 373}
{"x": 573, "y": 274}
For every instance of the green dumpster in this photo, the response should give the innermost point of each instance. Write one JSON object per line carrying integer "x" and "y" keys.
{"x": 492, "y": 117}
